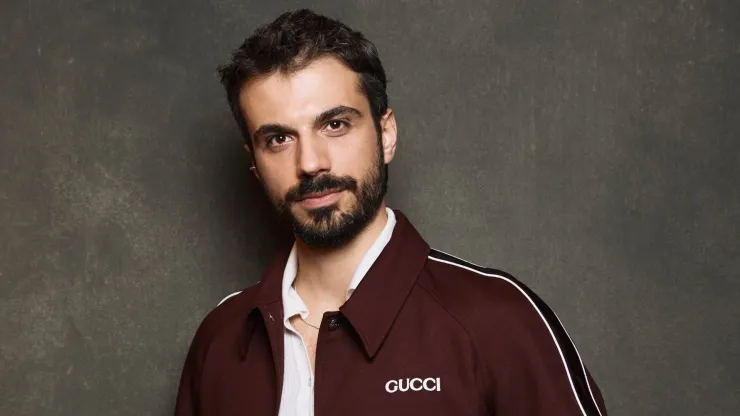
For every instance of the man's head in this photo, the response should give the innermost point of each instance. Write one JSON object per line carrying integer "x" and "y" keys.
{"x": 308, "y": 94}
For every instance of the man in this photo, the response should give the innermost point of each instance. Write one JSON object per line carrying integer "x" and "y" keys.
{"x": 358, "y": 315}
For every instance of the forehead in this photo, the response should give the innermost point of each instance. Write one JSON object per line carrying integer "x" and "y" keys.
{"x": 298, "y": 97}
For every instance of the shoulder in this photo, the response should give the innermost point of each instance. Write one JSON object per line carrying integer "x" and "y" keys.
{"x": 219, "y": 325}
{"x": 228, "y": 314}
{"x": 519, "y": 338}
{"x": 480, "y": 296}
{"x": 456, "y": 281}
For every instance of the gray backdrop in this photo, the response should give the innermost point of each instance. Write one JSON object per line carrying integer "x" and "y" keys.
{"x": 589, "y": 148}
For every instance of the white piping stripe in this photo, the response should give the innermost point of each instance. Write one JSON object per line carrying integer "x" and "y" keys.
{"x": 562, "y": 357}
{"x": 581, "y": 361}
{"x": 227, "y": 297}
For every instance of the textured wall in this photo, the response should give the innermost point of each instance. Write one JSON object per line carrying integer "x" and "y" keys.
{"x": 587, "y": 147}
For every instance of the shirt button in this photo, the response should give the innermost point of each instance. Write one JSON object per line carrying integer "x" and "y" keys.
{"x": 334, "y": 323}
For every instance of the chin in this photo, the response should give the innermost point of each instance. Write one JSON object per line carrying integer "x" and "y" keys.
{"x": 323, "y": 216}
{"x": 327, "y": 226}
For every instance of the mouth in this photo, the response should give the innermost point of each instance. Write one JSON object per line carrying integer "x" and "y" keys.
{"x": 319, "y": 194}
{"x": 321, "y": 198}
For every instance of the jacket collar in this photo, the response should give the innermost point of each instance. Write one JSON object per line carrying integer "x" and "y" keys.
{"x": 292, "y": 302}
{"x": 376, "y": 302}
{"x": 373, "y": 307}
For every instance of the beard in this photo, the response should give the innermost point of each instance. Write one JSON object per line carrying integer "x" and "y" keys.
{"x": 329, "y": 226}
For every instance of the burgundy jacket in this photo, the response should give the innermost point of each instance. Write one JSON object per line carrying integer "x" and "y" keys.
{"x": 425, "y": 333}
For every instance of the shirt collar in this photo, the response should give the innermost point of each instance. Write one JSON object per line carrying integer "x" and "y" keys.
{"x": 292, "y": 302}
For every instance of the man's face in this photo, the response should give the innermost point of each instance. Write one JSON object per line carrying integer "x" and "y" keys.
{"x": 318, "y": 154}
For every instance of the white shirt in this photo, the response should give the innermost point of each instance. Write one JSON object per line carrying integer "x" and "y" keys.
{"x": 298, "y": 379}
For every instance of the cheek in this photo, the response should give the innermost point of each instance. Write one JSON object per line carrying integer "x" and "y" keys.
{"x": 355, "y": 157}
{"x": 274, "y": 186}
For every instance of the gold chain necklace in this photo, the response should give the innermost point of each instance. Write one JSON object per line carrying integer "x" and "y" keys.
{"x": 301, "y": 316}
{"x": 309, "y": 323}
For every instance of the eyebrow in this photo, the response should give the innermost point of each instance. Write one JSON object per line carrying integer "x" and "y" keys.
{"x": 341, "y": 110}
{"x": 324, "y": 117}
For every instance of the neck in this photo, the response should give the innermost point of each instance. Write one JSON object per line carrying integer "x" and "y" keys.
{"x": 324, "y": 274}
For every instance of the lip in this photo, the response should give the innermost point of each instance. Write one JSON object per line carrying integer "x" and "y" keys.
{"x": 321, "y": 198}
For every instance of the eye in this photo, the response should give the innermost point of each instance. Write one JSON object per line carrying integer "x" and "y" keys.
{"x": 276, "y": 139}
{"x": 337, "y": 126}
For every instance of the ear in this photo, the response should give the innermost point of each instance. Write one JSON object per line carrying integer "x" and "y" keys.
{"x": 389, "y": 134}
{"x": 254, "y": 162}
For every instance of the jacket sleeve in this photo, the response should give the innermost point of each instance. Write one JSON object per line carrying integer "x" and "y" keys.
{"x": 188, "y": 403}
{"x": 532, "y": 367}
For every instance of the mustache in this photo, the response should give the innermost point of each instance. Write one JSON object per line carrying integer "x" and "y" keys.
{"x": 321, "y": 183}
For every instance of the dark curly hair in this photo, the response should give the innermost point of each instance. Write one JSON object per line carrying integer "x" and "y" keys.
{"x": 292, "y": 42}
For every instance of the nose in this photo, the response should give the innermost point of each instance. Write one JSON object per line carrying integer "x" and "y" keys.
{"x": 313, "y": 155}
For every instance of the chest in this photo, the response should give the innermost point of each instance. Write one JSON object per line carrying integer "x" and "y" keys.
{"x": 300, "y": 344}
{"x": 422, "y": 367}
